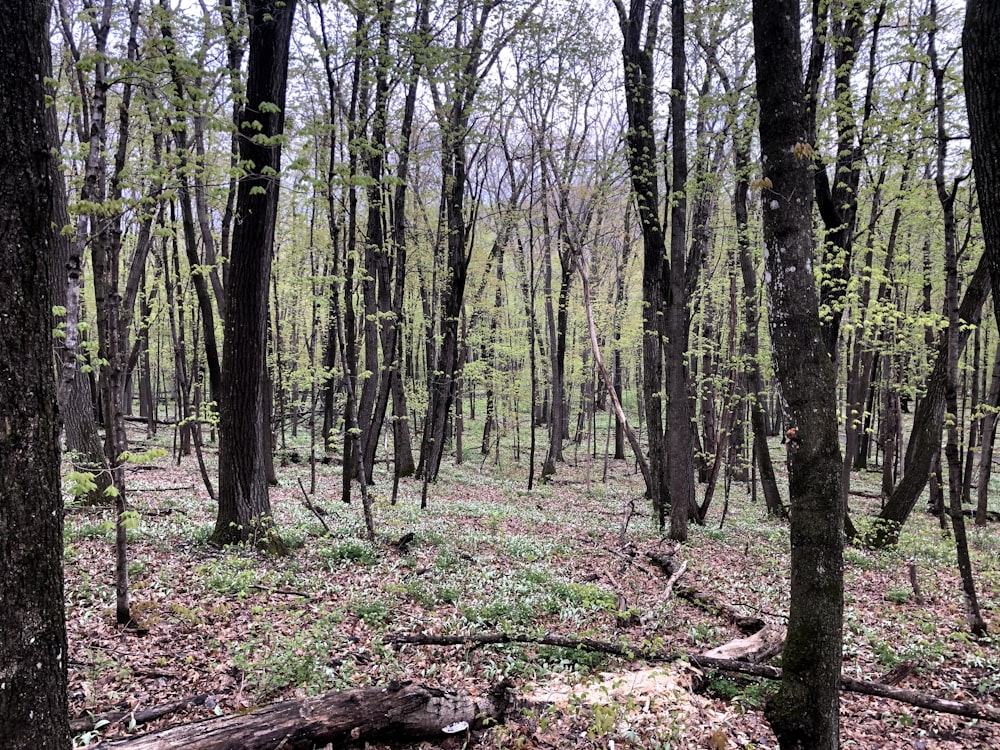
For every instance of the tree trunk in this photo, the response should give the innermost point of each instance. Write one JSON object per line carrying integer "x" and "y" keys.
{"x": 244, "y": 503}
{"x": 946, "y": 198}
{"x": 750, "y": 343}
{"x": 680, "y": 436}
{"x": 981, "y": 52}
{"x": 642, "y": 151}
{"x": 928, "y": 420}
{"x": 805, "y": 711}
{"x": 615, "y": 402}
{"x": 76, "y": 403}
{"x": 453, "y": 121}
{"x": 988, "y": 440}
{"x": 391, "y": 339}
{"x": 33, "y": 703}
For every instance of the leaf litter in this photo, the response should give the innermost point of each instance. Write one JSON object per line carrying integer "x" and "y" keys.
{"x": 241, "y": 629}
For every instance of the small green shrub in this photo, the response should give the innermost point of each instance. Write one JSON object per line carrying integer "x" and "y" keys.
{"x": 350, "y": 551}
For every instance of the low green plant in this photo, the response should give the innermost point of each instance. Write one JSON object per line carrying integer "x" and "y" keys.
{"x": 230, "y": 575}
{"x": 349, "y": 551}
{"x": 310, "y": 659}
{"x": 746, "y": 693}
{"x": 898, "y": 596}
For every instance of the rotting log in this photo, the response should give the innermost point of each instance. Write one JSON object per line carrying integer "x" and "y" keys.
{"x": 970, "y": 710}
{"x": 404, "y": 711}
{"x": 710, "y": 603}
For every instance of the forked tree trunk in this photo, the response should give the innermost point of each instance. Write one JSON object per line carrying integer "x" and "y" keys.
{"x": 642, "y": 151}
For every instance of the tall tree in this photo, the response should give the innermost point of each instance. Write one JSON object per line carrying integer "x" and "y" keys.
{"x": 680, "y": 438}
{"x": 981, "y": 54}
{"x": 244, "y": 502}
{"x": 471, "y": 57}
{"x": 637, "y": 54}
{"x": 33, "y": 701}
{"x": 805, "y": 711}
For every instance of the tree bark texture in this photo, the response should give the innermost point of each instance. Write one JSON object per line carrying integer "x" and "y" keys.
{"x": 680, "y": 436}
{"x": 981, "y": 53}
{"x": 244, "y": 503}
{"x": 33, "y": 703}
{"x": 805, "y": 711}
{"x": 399, "y": 711}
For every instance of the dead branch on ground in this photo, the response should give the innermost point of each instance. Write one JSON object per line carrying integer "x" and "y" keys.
{"x": 865, "y": 687}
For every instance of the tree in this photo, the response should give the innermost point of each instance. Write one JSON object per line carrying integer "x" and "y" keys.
{"x": 472, "y": 56}
{"x": 981, "y": 53}
{"x": 33, "y": 701}
{"x": 680, "y": 438}
{"x": 244, "y": 425}
{"x": 805, "y": 711}
{"x": 642, "y": 157}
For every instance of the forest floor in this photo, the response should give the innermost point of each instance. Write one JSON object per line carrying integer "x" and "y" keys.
{"x": 489, "y": 556}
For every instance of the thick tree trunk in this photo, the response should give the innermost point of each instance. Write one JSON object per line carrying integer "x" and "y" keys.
{"x": 33, "y": 704}
{"x": 244, "y": 503}
{"x": 805, "y": 711}
{"x": 981, "y": 52}
{"x": 680, "y": 434}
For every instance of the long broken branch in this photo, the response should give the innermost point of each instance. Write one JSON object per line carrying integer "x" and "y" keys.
{"x": 865, "y": 687}
{"x": 144, "y": 716}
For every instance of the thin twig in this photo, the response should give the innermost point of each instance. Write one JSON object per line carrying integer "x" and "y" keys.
{"x": 283, "y": 592}
{"x": 310, "y": 506}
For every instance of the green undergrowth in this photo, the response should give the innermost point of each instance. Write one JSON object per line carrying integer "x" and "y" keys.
{"x": 490, "y": 556}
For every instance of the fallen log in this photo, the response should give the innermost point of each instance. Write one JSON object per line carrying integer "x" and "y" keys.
{"x": 399, "y": 711}
{"x": 865, "y": 687}
{"x": 709, "y": 603}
